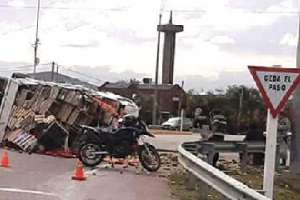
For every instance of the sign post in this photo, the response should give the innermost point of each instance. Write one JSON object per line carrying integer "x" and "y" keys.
{"x": 275, "y": 85}
{"x": 270, "y": 154}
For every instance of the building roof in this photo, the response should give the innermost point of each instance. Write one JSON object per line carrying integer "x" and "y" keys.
{"x": 153, "y": 86}
{"x": 119, "y": 85}
{"x": 142, "y": 86}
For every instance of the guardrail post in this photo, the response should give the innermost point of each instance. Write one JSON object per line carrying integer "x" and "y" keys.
{"x": 244, "y": 159}
{"x": 209, "y": 157}
{"x": 203, "y": 190}
{"x": 224, "y": 198}
{"x": 193, "y": 183}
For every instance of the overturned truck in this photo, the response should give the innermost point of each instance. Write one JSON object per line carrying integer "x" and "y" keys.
{"x": 45, "y": 116}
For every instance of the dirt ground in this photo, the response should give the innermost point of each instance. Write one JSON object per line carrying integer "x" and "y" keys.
{"x": 287, "y": 186}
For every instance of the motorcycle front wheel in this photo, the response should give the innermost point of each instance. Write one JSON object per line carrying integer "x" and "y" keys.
{"x": 87, "y": 154}
{"x": 149, "y": 158}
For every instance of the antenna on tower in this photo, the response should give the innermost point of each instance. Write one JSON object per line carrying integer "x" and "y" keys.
{"x": 171, "y": 17}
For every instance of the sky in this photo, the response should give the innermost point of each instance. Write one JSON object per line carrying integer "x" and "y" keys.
{"x": 100, "y": 41}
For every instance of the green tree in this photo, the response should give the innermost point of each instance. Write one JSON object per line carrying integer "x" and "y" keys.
{"x": 244, "y": 100}
{"x": 234, "y": 96}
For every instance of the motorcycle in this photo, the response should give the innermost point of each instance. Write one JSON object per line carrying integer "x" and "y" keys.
{"x": 96, "y": 144}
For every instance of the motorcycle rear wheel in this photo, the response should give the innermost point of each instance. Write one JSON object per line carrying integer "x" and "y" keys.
{"x": 87, "y": 154}
{"x": 149, "y": 162}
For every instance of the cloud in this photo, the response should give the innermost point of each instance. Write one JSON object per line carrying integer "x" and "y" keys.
{"x": 289, "y": 40}
{"x": 218, "y": 35}
{"x": 222, "y": 39}
{"x": 224, "y": 79}
{"x": 253, "y": 5}
{"x": 284, "y": 5}
{"x": 83, "y": 45}
{"x": 100, "y": 74}
{"x": 8, "y": 68}
{"x": 16, "y": 43}
{"x": 265, "y": 40}
{"x": 16, "y": 3}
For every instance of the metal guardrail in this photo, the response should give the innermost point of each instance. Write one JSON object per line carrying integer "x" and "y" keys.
{"x": 228, "y": 186}
{"x": 211, "y": 148}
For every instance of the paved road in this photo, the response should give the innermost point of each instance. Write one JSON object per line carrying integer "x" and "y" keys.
{"x": 37, "y": 177}
{"x": 171, "y": 142}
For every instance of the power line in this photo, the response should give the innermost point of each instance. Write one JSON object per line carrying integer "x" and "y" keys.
{"x": 26, "y": 66}
{"x": 47, "y": 67}
{"x": 84, "y": 75}
{"x": 18, "y": 67}
{"x": 22, "y": 68}
{"x": 17, "y": 70}
{"x": 64, "y": 8}
{"x": 80, "y": 73}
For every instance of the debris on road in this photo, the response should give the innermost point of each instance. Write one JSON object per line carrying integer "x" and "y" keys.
{"x": 21, "y": 139}
{"x": 178, "y": 178}
{"x": 169, "y": 165}
{"x": 47, "y": 116}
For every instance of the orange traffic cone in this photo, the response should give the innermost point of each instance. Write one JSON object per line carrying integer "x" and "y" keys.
{"x": 79, "y": 172}
{"x": 5, "y": 160}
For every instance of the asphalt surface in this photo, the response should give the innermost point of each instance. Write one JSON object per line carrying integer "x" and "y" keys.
{"x": 171, "y": 142}
{"x": 36, "y": 177}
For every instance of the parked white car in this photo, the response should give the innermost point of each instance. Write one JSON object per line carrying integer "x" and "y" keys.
{"x": 175, "y": 122}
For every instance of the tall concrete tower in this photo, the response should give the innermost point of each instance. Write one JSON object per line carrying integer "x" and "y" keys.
{"x": 170, "y": 31}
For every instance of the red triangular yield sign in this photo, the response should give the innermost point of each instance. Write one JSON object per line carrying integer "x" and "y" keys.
{"x": 275, "y": 85}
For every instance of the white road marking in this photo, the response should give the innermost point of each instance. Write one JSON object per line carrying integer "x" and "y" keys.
{"x": 17, "y": 190}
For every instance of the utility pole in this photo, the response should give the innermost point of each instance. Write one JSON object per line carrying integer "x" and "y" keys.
{"x": 52, "y": 71}
{"x": 181, "y": 107}
{"x": 56, "y": 72}
{"x": 155, "y": 104}
{"x": 36, "y": 43}
{"x": 295, "y": 144}
{"x": 240, "y": 110}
